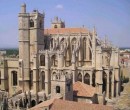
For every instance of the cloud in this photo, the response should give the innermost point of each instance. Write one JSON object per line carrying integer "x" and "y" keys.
{"x": 59, "y": 6}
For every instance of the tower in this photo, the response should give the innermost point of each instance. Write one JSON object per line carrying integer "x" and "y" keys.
{"x": 61, "y": 85}
{"x": 24, "y": 48}
{"x": 57, "y": 23}
{"x": 36, "y": 31}
{"x": 31, "y": 40}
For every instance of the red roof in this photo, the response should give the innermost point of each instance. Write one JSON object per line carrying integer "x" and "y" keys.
{"x": 59, "y": 104}
{"x": 65, "y": 30}
{"x": 82, "y": 89}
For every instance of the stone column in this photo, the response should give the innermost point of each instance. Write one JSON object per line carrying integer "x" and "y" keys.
{"x": 117, "y": 88}
{"x": 73, "y": 76}
{"x": 91, "y": 78}
{"x": 117, "y": 78}
{"x": 82, "y": 78}
{"x": 47, "y": 74}
{"x": 60, "y": 60}
{"x": 87, "y": 50}
{"x": 80, "y": 58}
{"x": 73, "y": 61}
{"x": 112, "y": 84}
{"x": 107, "y": 91}
{"x": 99, "y": 69}
{"x": 35, "y": 80}
{"x": 47, "y": 81}
{"x": 35, "y": 75}
{"x": 99, "y": 81}
{"x": 94, "y": 47}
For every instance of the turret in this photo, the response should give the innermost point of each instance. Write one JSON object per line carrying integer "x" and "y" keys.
{"x": 57, "y": 23}
{"x": 94, "y": 33}
{"x": 23, "y": 8}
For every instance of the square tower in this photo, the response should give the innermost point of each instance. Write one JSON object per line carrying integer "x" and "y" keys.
{"x": 61, "y": 85}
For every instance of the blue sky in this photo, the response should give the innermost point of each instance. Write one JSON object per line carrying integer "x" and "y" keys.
{"x": 110, "y": 17}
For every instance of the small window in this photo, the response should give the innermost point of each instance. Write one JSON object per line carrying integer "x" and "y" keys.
{"x": 42, "y": 60}
{"x": 55, "y": 26}
{"x": 14, "y": 78}
{"x": 31, "y": 79}
{"x": 40, "y": 24}
{"x": 57, "y": 89}
{"x": 31, "y": 23}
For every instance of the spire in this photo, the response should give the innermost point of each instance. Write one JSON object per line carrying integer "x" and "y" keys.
{"x": 23, "y": 8}
{"x": 94, "y": 31}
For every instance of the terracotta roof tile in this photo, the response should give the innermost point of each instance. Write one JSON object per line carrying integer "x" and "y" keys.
{"x": 43, "y": 104}
{"x": 81, "y": 89}
{"x": 65, "y": 30}
{"x": 71, "y": 105}
{"x": 58, "y": 104}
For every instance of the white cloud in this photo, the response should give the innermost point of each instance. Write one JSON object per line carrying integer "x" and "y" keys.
{"x": 59, "y": 6}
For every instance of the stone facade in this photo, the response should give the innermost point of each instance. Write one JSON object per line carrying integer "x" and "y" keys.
{"x": 51, "y": 60}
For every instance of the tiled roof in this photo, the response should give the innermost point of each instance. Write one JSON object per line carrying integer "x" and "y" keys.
{"x": 59, "y": 104}
{"x": 43, "y": 104}
{"x": 81, "y": 89}
{"x": 65, "y": 30}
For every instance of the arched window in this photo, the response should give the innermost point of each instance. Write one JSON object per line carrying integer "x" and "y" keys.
{"x": 31, "y": 23}
{"x": 42, "y": 60}
{"x": 57, "y": 89}
{"x": 110, "y": 84}
{"x": 87, "y": 79}
{"x": 43, "y": 79}
{"x": 90, "y": 55}
{"x": 40, "y": 24}
{"x": 0, "y": 77}
{"x": 14, "y": 78}
{"x": 93, "y": 79}
{"x": 55, "y": 26}
{"x": 79, "y": 77}
{"x": 53, "y": 60}
{"x": 51, "y": 42}
{"x": 31, "y": 79}
{"x": 62, "y": 44}
{"x": 104, "y": 78}
{"x": 54, "y": 76}
{"x": 21, "y": 103}
{"x": 33, "y": 103}
{"x": 73, "y": 44}
{"x": 84, "y": 48}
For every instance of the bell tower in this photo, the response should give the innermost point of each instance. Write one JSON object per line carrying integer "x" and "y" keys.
{"x": 31, "y": 40}
{"x": 24, "y": 48}
{"x": 61, "y": 85}
{"x": 36, "y": 30}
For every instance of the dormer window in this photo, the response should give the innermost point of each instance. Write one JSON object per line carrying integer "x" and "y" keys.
{"x": 31, "y": 23}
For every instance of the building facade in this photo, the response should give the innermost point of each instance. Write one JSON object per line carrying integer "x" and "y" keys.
{"x": 52, "y": 60}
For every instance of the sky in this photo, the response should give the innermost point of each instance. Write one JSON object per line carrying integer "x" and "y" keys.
{"x": 110, "y": 17}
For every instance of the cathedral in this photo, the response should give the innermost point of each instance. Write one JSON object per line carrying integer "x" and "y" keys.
{"x": 57, "y": 61}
